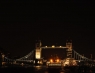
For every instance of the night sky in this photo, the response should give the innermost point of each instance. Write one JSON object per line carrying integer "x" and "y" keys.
{"x": 21, "y": 24}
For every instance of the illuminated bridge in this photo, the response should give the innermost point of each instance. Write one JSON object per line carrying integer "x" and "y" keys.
{"x": 42, "y": 54}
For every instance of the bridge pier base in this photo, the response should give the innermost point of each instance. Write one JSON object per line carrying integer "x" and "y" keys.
{"x": 38, "y": 62}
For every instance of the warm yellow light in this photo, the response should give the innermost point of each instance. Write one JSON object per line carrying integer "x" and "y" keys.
{"x": 3, "y": 56}
{"x": 53, "y": 46}
{"x": 60, "y": 46}
{"x": 22, "y": 64}
{"x": 57, "y": 60}
{"x": 38, "y": 54}
{"x": 51, "y": 60}
{"x": 45, "y": 46}
{"x": 38, "y": 62}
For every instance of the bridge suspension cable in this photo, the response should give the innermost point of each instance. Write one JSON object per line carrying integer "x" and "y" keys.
{"x": 28, "y": 56}
{"x": 80, "y": 57}
{"x": 7, "y": 59}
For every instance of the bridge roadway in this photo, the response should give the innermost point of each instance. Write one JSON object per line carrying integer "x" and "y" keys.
{"x": 54, "y": 47}
{"x": 46, "y": 60}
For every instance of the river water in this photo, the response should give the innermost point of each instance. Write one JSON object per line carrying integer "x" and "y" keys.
{"x": 44, "y": 69}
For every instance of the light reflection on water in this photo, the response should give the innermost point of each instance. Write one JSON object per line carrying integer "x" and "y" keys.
{"x": 40, "y": 69}
{"x": 37, "y": 67}
{"x": 44, "y": 69}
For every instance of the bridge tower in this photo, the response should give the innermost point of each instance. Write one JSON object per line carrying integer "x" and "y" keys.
{"x": 3, "y": 56}
{"x": 69, "y": 46}
{"x": 38, "y": 49}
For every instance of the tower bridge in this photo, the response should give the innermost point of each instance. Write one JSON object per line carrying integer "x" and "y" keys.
{"x": 71, "y": 56}
{"x": 39, "y": 48}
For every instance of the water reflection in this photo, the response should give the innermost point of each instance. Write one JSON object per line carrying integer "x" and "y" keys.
{"x": 40, "y": 69}
{"x": 44, "y": 69}
{"x": 37, "y": 67}
{"x": 46, "y": 72}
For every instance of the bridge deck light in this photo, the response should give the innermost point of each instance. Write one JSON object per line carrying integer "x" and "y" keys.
{"x": 22, "y": 64}
{"x": 45, "y": 46}
{"x": 34, "y": 61}
{"x": 38, "y": 62}
{"x": 53, "y": 46}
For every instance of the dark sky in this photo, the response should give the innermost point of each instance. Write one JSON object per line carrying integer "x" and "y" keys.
{"x": 22, "y": 23}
